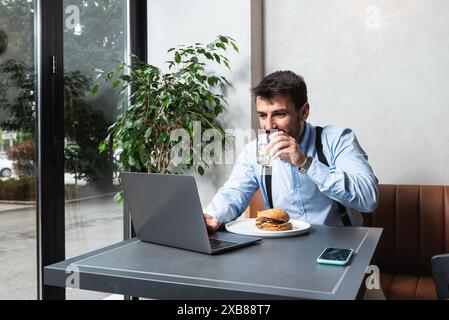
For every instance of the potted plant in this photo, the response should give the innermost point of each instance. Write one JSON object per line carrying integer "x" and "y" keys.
{"x": 185, "y": 97}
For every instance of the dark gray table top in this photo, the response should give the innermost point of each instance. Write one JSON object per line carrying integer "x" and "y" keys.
{"x": 275, "y": 268}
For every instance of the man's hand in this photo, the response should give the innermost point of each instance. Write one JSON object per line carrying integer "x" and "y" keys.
{"x": 285, "y": 147}
{"x": 212, "y": 224}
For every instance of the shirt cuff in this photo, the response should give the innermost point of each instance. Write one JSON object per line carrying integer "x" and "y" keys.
{"x": 218, "y": 216}
{"x": 318, "y": 172}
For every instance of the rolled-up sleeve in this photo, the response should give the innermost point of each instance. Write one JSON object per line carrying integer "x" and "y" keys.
{"x": 349, "y": 179}
{"x": 232, "y": 199}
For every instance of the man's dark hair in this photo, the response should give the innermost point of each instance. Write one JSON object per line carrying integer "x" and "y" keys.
{"x": 285, "y": 84}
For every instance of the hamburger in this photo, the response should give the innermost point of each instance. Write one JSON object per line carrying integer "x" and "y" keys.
{"x": 273, "y": 220}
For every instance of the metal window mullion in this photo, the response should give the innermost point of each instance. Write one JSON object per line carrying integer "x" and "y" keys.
{"x": 50, "y": 134}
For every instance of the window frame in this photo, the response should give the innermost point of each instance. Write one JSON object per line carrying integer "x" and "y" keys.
{"x": 50, "y": 209}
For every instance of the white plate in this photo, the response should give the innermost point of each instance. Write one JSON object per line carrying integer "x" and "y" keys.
{"x": 248, "y": 227}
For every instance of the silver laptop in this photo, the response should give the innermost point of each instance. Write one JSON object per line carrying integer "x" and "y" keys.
{"x": 165, "y": 209}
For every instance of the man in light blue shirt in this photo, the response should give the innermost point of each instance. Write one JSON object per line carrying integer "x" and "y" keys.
{"x": 301, "y": 184}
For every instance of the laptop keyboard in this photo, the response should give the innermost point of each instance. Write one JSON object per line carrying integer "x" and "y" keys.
{"x": 218, "y": 244}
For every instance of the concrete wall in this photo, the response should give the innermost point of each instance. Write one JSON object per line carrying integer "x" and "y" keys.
{"x": 177, "y": 22}
{"x": 379, "y": 67}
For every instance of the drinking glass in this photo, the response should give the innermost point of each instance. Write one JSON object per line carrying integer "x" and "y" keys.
{"x": 263, "y": 139}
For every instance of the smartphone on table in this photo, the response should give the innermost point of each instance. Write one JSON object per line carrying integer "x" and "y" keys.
{"x": 335, "y": 256}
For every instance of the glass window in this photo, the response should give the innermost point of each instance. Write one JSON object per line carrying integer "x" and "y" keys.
{"x": 94, "y": 39}
{"x": 18, "y": 275}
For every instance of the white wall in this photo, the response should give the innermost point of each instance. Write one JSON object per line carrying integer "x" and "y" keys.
{"x": 178, "y": 22}
{"x": 379, "y": 67}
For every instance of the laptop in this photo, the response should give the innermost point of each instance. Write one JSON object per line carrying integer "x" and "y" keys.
{"x": 165, "y": 209}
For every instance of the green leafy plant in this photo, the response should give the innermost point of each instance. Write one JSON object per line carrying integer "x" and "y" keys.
{"x": 165, "y": 101}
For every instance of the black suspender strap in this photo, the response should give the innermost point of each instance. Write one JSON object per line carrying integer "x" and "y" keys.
{"x": 268, "y": 188}
{"x": 319, "y": 146}
{"x": 319, "y": 150}
{"x": 321, "y": 157}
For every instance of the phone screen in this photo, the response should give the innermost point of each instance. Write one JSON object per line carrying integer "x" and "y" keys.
{"x": 336, "y": 254}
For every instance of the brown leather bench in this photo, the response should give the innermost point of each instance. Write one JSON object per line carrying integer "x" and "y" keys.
{"x": 415, "y": 219}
